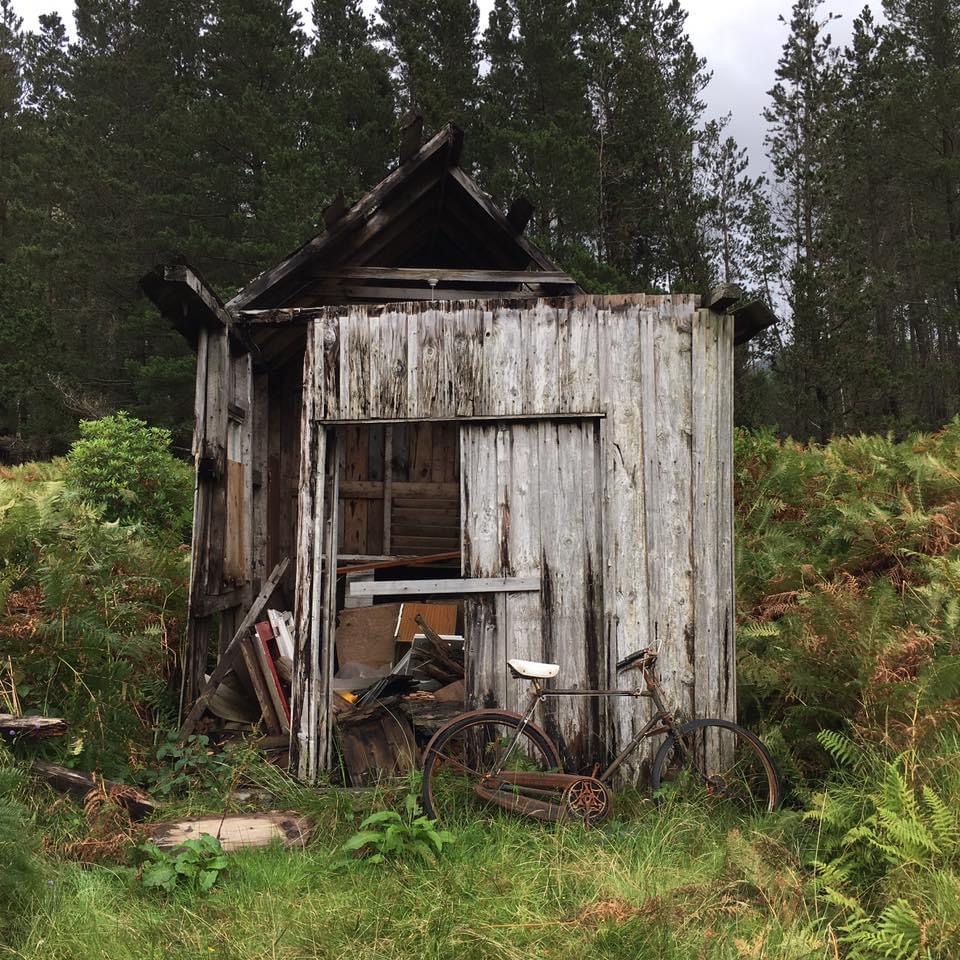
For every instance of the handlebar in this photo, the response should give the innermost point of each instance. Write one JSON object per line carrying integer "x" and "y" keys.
{"x": 638, "y": 660}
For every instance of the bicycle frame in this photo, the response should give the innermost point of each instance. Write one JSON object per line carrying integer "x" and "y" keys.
{"x": 662, "y": 720}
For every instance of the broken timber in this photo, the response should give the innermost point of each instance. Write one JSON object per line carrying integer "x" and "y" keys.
{"x": 32, "y": 728}
{"x": 228, "y": 657}
{"x": 137, "y": 803}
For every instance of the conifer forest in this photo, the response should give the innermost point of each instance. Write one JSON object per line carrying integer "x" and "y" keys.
{"x": 218, "y": 130}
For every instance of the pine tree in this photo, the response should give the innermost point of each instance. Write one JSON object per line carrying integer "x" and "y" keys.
{"x": 728, "y": 193}
{"x": 11, "y": 119}
{"x": 350, "y": 132}
{"x": 434, "y": 47}
{"x": 645, "y": 82}
{"x": 800, "y": 116}
{"x": 921, "y": 53}
{"x": 249, "y": 133}
{"x": 536, "y": 120}
{"x": 27, "y": 412}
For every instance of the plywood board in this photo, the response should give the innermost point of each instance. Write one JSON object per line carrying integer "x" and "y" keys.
{"x": 365, "y": 634}
{"x": 440, "y": 617}
{"x": 235, "y": 554}
{"x": 235, "y": 832}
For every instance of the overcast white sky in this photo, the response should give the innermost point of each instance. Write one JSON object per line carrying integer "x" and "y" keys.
{"x": 741, "y": 40}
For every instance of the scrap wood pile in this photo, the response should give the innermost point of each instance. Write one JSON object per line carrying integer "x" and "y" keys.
{"x": 256, "y": 693}
{"x": 400, "y": 675}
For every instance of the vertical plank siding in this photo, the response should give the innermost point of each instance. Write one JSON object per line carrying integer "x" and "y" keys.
{"x": 595, "y": 452}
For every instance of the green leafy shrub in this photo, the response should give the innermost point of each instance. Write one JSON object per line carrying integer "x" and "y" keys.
{"x": 193, "y": 768}
{"x": 389, "y": 835}
{"x": 91, "y": 617}
{"x": 126, "y": 469}
{"x": 195, "y": 866}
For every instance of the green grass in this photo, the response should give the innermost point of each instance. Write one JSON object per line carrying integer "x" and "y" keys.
{"x": 848, "y": 562}
{"x": 506, "y": 889}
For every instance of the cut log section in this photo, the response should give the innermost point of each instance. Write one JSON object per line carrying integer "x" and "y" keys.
{"x": 235, "y": 832}
{"x": 33, "y": 728}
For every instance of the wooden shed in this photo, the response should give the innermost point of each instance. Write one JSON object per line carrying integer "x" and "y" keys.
{"x": 420, "y": 379}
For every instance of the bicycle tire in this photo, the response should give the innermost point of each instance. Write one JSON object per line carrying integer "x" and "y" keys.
{"x": 447, "y": 792}
{"x": 745, "y": 775}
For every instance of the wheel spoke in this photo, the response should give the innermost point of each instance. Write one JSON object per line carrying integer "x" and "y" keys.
{"x": 469, "y": 752}
{"x": 720, "y": 763}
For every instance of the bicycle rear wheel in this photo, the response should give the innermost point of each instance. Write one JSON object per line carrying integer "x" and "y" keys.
{"x": 463, "y": 754}
{"x": 718, "y": 763}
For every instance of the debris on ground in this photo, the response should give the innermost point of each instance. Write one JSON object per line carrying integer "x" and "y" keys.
{"x": 399, "y": 675}
{"x": 235, "y": 832}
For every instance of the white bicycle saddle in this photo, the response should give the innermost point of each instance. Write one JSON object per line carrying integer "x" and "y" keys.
{"x": 533, "y": 670}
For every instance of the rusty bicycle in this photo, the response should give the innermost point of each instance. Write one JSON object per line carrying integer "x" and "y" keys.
{"x": 501, "y": 759}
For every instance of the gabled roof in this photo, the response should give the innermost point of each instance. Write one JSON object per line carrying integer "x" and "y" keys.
{"x": 426, "y": 228}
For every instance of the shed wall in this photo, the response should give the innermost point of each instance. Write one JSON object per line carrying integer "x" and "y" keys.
{"x": 653, "y": 376}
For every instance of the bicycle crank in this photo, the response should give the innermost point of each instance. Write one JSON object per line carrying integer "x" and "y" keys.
{"x": 557, "y": 797}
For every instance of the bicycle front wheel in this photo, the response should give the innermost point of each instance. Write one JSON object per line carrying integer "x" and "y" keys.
{"x": 718, "y": 763}
{"x": 463, "y": 755}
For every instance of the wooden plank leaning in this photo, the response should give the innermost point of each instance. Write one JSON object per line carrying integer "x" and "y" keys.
{"x": 229, "y": 655}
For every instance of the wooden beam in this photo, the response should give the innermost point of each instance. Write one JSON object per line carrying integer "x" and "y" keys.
{"x": 341, "y": 293}
{"x": 443, "y": 274}
{"x": 375, "y": 489}
{"x": 519, "y": 214}
{"x": 411, "y": 137}
{"x": 387, "y": 485}
{"x": 205, "y": 606}
{"x": 399, "y": 562}
{"x": 422, "y": 588}
{"x": 750, "y": 319}
{"x": 229, "y": 655}
{"x": 722, "y": 297}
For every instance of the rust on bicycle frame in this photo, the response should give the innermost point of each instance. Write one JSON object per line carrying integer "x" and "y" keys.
{"x": 662, "y": 721}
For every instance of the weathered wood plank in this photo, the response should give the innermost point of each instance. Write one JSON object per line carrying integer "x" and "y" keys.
{"x": 419, "y": 588}
{"x": 706, "y": 507}
{"x": 726, "y": 655}
{"x": 328, "y": 611}
{"x": 235, "y": 832}
{"x": 259, "y": 680}
{"x": 519, "y": 493}
{"x": 312, "y": 459}
{"x": 229, "y": 653}
{"x": 443, "y": 274}
{"x": 484, "y": 630}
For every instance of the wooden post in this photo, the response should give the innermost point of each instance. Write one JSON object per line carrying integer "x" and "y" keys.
{"x": 387, "y": 486}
